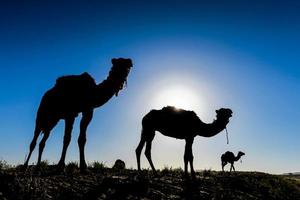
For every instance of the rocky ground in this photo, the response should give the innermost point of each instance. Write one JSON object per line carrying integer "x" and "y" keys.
{"x": 106, "y": 183}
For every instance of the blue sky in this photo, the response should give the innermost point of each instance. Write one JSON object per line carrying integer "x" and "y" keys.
{"x": 240, "y": 54}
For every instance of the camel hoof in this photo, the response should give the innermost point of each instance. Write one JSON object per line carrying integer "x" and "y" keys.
{"x": 37, "y": 170}
{"x": 60, "y": 168}
{"x": 194, "y": 176}
{"x": 155, "y": 174}
{"x": 139, "y": 172}
{"x": 186, "y": 175}
{"x": 84, "y": 171}
{"x": 23, "y": 168}
{"x": 83, "y": 168}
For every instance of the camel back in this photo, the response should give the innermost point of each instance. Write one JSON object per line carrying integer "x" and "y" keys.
{"x": 178, "y": 113}
{"x": 83, "y": 80}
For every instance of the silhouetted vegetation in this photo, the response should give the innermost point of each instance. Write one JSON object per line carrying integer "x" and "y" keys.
{"x": 4, "y": 165}
{"x": 97, "y": 166}
{"x": 127, "y": 184}
{"x": 72, "y": 168}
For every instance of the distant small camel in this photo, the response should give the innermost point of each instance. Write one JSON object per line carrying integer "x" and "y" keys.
{"x": 180, "y": 124}
{"x": 229, "y": 157}
{"x": 70, "y": 96}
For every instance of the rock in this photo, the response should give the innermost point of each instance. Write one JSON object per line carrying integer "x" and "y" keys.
{"x": 119, "y": 165}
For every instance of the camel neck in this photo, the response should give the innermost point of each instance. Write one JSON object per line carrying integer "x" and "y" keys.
{"x": 237, "y": 157}
{"x": 106, "y": 90}
{"x": 214, "y": 128}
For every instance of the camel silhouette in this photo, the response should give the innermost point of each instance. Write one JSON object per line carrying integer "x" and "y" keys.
{"x": 70, "y": 96}
{"x": 228, "y": 157}
{"x": 180, "y": 124}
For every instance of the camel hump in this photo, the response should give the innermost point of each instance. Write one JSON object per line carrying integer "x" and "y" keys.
{"x": 84, "y": 79}
{"x": 170, "y": 114}
{"x": 171, "y": 110}
{"x": 228, "y": 154}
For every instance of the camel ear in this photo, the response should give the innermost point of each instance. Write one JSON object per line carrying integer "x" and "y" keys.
{"x": 113, "y": 61}
{"x": 217, "y": 111}
{"x": 129, "y": 61}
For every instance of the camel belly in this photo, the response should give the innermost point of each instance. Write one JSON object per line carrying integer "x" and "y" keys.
{"x": 177, "y": 133}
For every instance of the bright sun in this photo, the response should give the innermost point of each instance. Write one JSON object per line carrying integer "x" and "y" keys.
{"x": 178, "y": 96}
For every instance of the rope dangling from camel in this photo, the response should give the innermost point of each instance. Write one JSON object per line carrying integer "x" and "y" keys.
{"x": 227, "y": 135}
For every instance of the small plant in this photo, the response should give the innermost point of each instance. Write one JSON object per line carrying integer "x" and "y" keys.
{"x": 178, "y": 170}
{"x": 44, "y": 163}
{"x": 72, "y": 168}
{"x": 42, "y": 167}
{"x": 4, "y": 165}
{"x": 207, "y": 172}
{"x": 166, "y": 170}
{"x": 98, "y": 166}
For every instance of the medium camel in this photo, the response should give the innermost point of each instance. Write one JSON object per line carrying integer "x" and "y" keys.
{"x": 180, "y": 124}
{"x": 70, "y": 96}
{"x": 228, "y": 157}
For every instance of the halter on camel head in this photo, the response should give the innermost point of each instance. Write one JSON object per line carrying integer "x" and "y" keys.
{"x": 224, "y": 114}
{"x": 119, "y": 72}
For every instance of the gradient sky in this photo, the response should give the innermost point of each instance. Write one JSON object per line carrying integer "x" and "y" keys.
{"x": 240, "y": 54}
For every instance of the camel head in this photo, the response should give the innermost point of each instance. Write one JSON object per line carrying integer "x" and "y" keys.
{"x": 119, "y": 72}
{"x": 223, "y": 114}
{"x": 240, "y": 154}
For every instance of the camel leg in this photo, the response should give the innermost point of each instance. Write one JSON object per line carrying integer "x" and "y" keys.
{"x": 67, "y": 138}
{"x": 191, "y": 158}
{"x": 138, "y": 151}
{"x": 42, "y": 146}
{"x": 223, "y": 165}
{"x": 188, "y": 157}
{"x": 46, "y": 131}
{"x": 233, "y": 167}
{"x": 37, "y": 132}
{"x": 148, "y": 152}
{"x": 86, "y": 119}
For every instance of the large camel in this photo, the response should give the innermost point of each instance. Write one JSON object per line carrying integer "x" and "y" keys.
{"x": 70, "y": 96}
{"x": 180, "y": 124}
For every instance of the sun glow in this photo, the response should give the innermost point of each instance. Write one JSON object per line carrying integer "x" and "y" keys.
{"x": 178, "y": 96}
